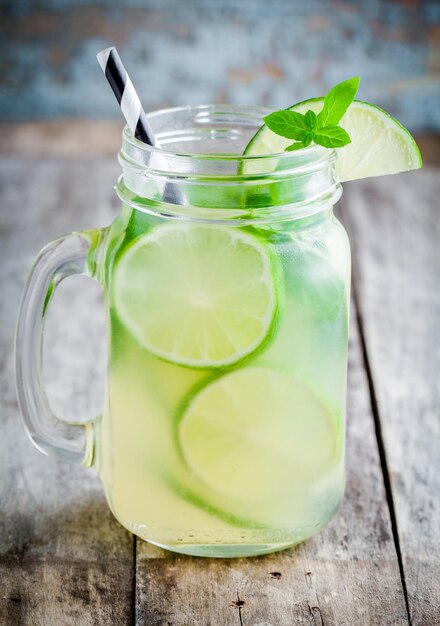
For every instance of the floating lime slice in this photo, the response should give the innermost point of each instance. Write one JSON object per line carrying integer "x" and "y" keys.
{"x": 379, "y": 144}
{"x": 198, "y": 295}
{"x": 255, "y": 434}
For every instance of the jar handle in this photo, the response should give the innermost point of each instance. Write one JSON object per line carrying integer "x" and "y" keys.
{"x": 62, "y": 258}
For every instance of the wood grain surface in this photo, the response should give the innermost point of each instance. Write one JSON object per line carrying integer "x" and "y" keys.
{"x": 395, "y": 230}
{"x": 64, "y": 560}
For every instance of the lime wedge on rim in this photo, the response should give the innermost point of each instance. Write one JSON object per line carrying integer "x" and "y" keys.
{"x": 196, "y": 294}
{"x": 256, "y": 434}
{"x": 379, "y": 143}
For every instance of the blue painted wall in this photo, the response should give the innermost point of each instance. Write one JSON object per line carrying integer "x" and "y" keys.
{"x": 273, "y": 52}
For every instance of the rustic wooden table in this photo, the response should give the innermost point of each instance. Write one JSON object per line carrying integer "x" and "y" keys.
{"x": 64, "y": 558}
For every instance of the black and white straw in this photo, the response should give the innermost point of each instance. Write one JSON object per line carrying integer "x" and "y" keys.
{"x": 126, "y": 95}
{"x": 131, "y": 108}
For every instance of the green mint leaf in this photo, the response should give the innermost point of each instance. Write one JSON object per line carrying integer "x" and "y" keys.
{"x": 286, "y": 123}
{"x": 332, "y": 137}
{"x": 323, "y": 128}
{"x": 310, "y": 119}
{"x": 307, "y": 137}
{"x": 337, "y": 101}
{"x": 295, "y": 146}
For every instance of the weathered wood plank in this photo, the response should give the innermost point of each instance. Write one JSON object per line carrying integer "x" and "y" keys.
{"x": 63, "y": 558}
{"x": 347, "y": 575}
{"x": 395, "y": 227}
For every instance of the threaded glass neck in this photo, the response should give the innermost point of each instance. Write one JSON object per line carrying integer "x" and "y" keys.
{"x": 200, "y": 171}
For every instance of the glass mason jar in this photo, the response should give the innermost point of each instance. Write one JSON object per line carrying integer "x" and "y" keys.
{"x": 226, "y": 282}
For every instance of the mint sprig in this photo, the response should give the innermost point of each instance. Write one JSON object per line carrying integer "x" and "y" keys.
{"x": 323, "y": 128}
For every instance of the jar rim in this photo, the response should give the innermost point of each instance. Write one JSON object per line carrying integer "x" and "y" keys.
{"x": 202, "y": 114}
{"x": 221, "y": 180}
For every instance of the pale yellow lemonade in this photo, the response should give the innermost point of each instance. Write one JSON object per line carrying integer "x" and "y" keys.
{"x": 223, "y": 433}
{"x": 249, "y": 452}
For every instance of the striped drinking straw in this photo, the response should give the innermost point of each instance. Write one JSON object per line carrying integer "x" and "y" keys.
{"x": 131, "y": 108}
{"x": 126, "y": 95}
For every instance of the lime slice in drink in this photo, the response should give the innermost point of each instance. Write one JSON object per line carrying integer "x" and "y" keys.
{"x": 256, "y": 433}
{"x": 195, "y": 294}
{"x": 379, "y": 144}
